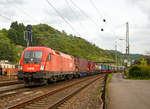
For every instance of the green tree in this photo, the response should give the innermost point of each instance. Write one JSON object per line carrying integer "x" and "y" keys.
{"x": 16, "y": 33}
{"x": 7, "y": 49}
{"x": 143, "y": 62}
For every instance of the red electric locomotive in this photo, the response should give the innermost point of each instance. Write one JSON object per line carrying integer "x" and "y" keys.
{"x": 39, "y": 65}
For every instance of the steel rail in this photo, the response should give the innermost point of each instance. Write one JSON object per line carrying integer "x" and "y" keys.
{"x": 56, "y": 105}
{"x": 23, "y": 104}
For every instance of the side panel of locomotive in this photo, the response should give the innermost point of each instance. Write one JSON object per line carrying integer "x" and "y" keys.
{"x": 41, "y": 64}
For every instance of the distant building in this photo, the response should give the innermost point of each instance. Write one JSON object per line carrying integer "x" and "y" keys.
{"x": 7, "y": 67}
{"x": 6, "y": 64}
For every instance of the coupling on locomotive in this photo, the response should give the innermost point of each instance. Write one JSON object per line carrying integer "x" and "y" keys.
{"x": 41, "y": 65}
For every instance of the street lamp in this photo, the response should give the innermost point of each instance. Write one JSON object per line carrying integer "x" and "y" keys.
{"x": 122, "y": 52}
{"x": 116, "y": 52}
{"x": 116, "y": 55}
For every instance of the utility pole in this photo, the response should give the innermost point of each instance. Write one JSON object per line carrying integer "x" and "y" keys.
{"x": 127, "y": 43}
{"x": 116, "y": 53}
{"x": 122, "y": 55}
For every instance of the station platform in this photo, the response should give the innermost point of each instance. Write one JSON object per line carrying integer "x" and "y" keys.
{"x": 128, "y": 94}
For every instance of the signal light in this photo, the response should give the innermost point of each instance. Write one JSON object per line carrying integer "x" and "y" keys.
{"x": 29, "y": 28}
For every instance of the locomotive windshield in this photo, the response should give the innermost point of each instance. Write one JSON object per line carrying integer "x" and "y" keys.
{"x": 33, "y": 56}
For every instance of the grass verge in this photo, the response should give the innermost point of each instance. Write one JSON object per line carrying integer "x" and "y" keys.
{"x": 106, "y": 91}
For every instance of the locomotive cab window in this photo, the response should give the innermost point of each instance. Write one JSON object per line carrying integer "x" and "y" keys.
{"x": 48, "y": 57}
{"x": 33, "y": 56}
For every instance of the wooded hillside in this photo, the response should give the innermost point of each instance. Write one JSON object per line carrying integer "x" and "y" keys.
{"x": 12, "y": 43}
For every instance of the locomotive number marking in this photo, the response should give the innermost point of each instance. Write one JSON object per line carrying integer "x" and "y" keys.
{"x": 30, "y": 68}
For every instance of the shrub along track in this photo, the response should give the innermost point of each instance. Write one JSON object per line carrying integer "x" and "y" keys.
{"x": 52, "y": 97}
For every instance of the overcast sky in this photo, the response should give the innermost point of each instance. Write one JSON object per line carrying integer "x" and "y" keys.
{"x": 88, "y": 22}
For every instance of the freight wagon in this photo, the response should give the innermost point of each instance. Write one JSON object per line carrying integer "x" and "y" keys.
{"x": 81, "y": 67}
{"x": 111, "y": 68}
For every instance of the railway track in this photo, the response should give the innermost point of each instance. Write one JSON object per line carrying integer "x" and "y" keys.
{"x": 5, "y": 89}
{"x": 12, "y": 97}
{"x": 54, "y": 98}
{"x": 12, "y": 82}
{"x": 9, "y": 86}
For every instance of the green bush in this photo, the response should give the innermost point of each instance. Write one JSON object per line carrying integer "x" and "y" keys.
{"x": 145, "y": 70}
{"x": 139, "y": 71}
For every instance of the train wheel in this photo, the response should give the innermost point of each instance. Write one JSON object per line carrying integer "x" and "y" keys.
{"x": 53, "y": 79}
{"x": 45, "y": 82}
{"x": 62, "y": 77}
{"x": 76, "y": 75}
{"x": 69, "y": 77}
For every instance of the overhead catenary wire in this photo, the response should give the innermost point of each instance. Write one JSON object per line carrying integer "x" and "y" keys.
{"x": 70, "y": 7}
{"x": 50, "y": 4}
{"x": 27, "y": 14}
{"x": 72, "y": 11}
{"x": 24, "y": 12}
{"x": 92, "y": 3}
{"x": 86, "y": 15}
{"x": 7, "y": 18}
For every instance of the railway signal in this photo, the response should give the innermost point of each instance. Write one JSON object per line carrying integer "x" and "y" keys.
{"x": 28, "y": 35}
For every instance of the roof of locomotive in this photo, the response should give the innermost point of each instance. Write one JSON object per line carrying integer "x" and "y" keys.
{"x": 34, "y": 48}
{"x": 48, "y": 49}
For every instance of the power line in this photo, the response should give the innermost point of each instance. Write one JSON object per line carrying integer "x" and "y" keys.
{"x": 27, "y": 14}
{"x": 20, "y": 9}
{"x": 5, "y": 17}
{"x": 104, "y": 20}
{"x": 62, "y": 17}
{"x": 86, "y": 15}
{"x": 73, "y": 11}
{"x": 71, "y": 8}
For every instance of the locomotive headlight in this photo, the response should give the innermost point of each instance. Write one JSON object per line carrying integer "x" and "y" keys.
{"x": 20, "y": 67}
{"x": 42, "y": 67}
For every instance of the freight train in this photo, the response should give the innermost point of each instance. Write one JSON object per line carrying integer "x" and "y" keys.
{"x": 41, "y": 65}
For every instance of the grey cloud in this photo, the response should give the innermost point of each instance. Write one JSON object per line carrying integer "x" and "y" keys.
{"x": 146, "y": 43}
{"x": 10, "y": 2}
{"x": 7, "y": 11}
{"x": 108, "y": 37}
{"x": 51, "y": 21}
{"x": 142, "y": 4}
{"x": 72, "y": 16}
{"x": 3, "y": 19}
{"x": 141, "y": 33}
{"x": 67, "y": 13}
{"x": 7, "y": 7}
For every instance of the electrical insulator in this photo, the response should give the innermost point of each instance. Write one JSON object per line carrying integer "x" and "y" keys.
{"x": 104, "y": 20}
